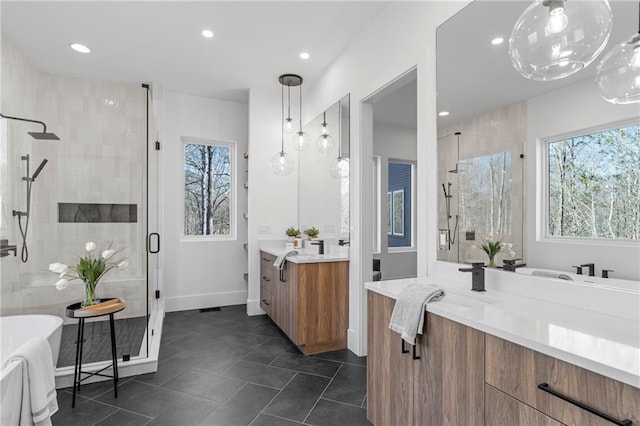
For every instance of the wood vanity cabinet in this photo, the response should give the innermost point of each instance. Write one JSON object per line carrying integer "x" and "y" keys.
{"x": 467, "y": 377}
{"x": 309, "y": 302}
{"x": 443, "y": 387}
{"x": 517, "y": 371}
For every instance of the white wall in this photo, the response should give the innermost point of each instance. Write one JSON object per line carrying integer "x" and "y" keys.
{"x": 199, "y": 274}
{"x": 273, "y": 200}
{"x": 396, "y": 143}
{"x": 571, "y": 109}
{"x": 400, "y": 38}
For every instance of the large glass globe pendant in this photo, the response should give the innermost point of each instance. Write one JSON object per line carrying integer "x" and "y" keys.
{"x": 553, "y": 39}
{"x": 618, "y": 74}
{"x": 282, "y": 164}
{"x": 325, "y": 143}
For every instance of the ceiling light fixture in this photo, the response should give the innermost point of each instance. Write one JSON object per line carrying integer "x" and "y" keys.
{"x": 554, "y": 39}
{"x": 325, "y": 142}
{"x": 443, "y": 113}
{"x": 282, "y": 163}
{"x": 288, "y": 122}
{"x": 496, "y": 41}
{"x": 340, "y": 166}
{"x": 618, "y": 74}
{"x": 304, "y": 55}
{"x": 81, "y": 48}
{"x": 300, "y": 140}
{"x": 207, "y": 33}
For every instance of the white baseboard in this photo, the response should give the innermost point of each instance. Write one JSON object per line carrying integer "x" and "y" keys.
{"x": 253, "y": 308}
{"x": 354, "y": 344}
{"x": 209, "y": 300}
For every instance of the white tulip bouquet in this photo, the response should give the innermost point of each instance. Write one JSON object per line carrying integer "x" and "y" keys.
{"x": 90, "y": 269}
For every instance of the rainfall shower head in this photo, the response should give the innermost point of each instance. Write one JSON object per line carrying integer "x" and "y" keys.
{"x": 36, "y": 135}
{"x": 39, "y": 169}
{"x": 44, "y": 135}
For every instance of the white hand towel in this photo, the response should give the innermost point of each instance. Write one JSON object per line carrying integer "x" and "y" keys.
{"x": 408, "y": 314}
{"x": 39, "y": 397}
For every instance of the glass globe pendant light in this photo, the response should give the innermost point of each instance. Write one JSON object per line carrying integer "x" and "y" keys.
{"x": 618, "y": 74}
{"x": 340, "y": 166}
{"x": 553, "y": 39}
{"x": 281, "y": 163}
{"x": 300, "y": 140}
{"x": 325, "y": 142}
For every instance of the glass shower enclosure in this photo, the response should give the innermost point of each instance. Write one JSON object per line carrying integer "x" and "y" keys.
{"x": 94, "y": 187}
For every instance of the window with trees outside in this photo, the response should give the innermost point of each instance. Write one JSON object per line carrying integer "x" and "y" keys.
{"x": 208, "y": 189}
{"x": 594, "y": 185}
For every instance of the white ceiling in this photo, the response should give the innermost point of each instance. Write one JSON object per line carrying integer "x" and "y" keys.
{"x": 161, "y": 41}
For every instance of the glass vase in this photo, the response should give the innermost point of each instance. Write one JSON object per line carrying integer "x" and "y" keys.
{"x": 492, "y": 262}
{"x": 89, "y": 294}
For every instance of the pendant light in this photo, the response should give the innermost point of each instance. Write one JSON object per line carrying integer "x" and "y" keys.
{"x": 618, "y": 74}
{"x": 325, "y": 142}
{"x": 288, "y": 122}
{"x": 282, "y": 163}
{"x": 553, "y": 39}
{"x": 340, "y": 166}
{"x": 300, "y": 140}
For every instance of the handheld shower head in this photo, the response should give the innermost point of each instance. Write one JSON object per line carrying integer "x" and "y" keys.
{"x": 39, "y": 169}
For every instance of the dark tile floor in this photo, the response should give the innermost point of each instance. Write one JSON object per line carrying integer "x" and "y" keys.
{"x": 226, "y": 368}
{"x": 97, "y": 343}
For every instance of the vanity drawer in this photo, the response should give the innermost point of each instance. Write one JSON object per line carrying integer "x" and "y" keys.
{"x": 267, "y": 259}
{"x": 501, "y": 409}
{"x": 518, "y": 371}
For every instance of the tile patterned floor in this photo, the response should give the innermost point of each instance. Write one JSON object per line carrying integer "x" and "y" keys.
{"x": 226, "y": 368}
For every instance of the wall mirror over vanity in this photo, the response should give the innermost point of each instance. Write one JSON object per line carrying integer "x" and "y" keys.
{"x": 549, "y": 167}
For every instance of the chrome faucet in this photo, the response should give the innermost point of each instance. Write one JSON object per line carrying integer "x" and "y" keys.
{"x": 511, "y": 265}
{"x": 477, "y": 275}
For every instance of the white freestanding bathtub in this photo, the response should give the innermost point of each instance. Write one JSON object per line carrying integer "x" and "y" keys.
{"x": 16, "y": 330}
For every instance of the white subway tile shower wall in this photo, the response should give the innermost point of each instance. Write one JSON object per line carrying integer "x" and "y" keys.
{"x": 100, "y": 158}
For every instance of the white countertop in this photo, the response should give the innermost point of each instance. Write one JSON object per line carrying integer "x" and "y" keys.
{"x": 602, "y": 343}
{"x": 309, "y": 255}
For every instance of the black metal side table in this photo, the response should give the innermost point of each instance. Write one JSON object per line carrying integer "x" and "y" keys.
{"x": 107, "y": 306}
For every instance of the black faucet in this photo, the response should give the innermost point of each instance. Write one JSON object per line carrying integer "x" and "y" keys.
{"x": 511, "y": 265}
{"x": 592, "y": 269}
{"x": 320, "y": 244}
{"x": 605, "y": 272}
{"x": 477, "y": 275}
{"x": 343, "y": 243}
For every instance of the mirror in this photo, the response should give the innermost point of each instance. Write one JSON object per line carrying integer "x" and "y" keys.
{"x": 490, "y": 177}
{"x": 323, "y": 192}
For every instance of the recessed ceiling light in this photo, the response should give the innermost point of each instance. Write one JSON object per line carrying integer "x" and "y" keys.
{"x": 443, "y": 113}
{"x": 80, "y": 48}
{"x": 207, "y": 33}
{"x": 496, "y": 41}
{"x": 304, "y": 55}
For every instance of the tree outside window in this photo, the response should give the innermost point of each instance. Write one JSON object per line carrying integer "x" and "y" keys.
{"x": 207, "y": 189}
{"x": 594, "y": 183}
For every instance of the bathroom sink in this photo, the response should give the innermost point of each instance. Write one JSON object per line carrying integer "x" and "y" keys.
{"x": 458, "y": 303}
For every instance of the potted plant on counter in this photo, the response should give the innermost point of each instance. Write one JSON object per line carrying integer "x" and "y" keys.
{"x": 312, "y": 233}
{"x": 292, "y": 233}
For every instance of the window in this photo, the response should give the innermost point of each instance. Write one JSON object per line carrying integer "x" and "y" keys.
{"x": 400, "y": 194}
{"x": 208, "y": 189}
{"x": 592, "y": 185}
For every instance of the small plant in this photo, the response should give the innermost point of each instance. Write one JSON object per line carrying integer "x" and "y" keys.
{"x": 292, "y": 232}
{"x": 492, "y": 247}
{"x": 312, "y": 232}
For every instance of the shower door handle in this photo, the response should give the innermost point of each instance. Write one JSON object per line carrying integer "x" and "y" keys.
{"x": 157, "y": 250}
